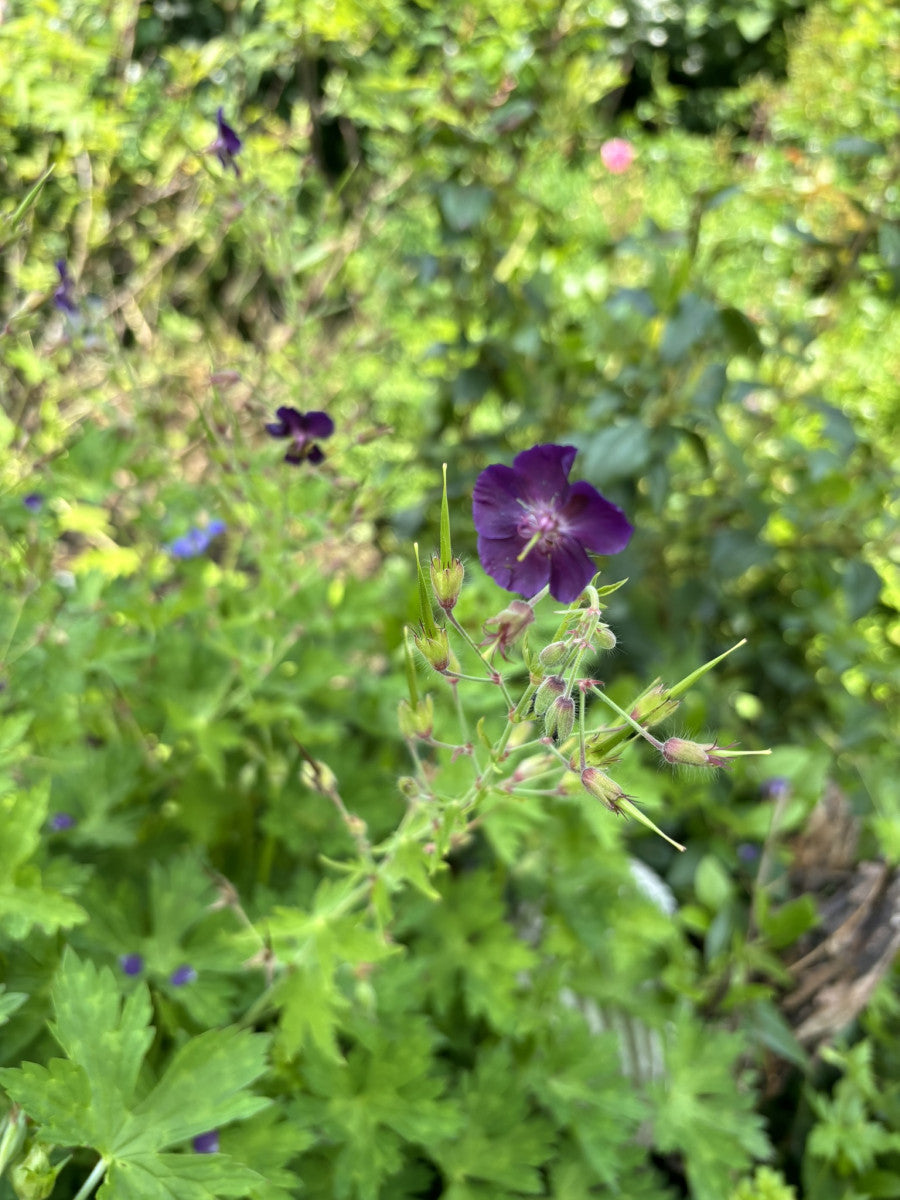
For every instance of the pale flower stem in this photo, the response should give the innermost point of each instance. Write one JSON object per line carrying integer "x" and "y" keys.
{"x": 92, "y": 1180}
{"x": 627, "y": 717}
{"x": 487, "y": 666}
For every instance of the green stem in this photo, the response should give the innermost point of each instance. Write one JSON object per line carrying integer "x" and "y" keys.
{"x": 92, "y": 1180}
{"x": 627, "y": 717}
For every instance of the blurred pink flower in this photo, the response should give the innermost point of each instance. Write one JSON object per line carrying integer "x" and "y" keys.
{"x": 617, "y": 155}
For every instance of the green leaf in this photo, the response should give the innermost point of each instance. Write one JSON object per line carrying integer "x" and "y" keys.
{"x": 464, "y": 206}
{"x": 24, "y": 901}
{"x": 782, "y": 926}
{"x": 104, "y": 1037}
{"x": 10, "y": 1002}
{"x": 618, "y": 452}
{"x": 705, "y": 1110}
{"x": 753, "y": 21}
{"x": 213, "y": 1069}
{"x": 692, "y": 320}
{"x": 741, "y": 333}
{"x": 28, "y": 201}
{"x": 185, "y": 1176}
{"x": 88, "y": 1099}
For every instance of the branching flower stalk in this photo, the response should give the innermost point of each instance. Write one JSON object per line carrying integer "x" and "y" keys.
{"x": 535, "y": 530}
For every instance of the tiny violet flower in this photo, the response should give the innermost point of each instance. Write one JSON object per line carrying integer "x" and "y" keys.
{"x": 206, "y": 1143}
{"x": 60, "y": 822}
{"x": 535, "y": 528}
{"x": 617, "y": 155}
{"x": 196, "y": 541}
{"x": 131, "y": 964}
{"x": 304, "y": 430}
{"x": 776, "y": 788}
{"x": 62, "y": 297}
{"x": 227, "y": 143}
{"x": 34, "y": 501}
{"x": 182, "y": 975}
{"x": 747, "y": 852}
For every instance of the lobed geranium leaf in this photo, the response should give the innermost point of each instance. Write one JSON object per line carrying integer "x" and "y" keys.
{"x": 211, "y": 1069}
{"x": 188, "y": 1176}
{"x": 88, "y": 1099}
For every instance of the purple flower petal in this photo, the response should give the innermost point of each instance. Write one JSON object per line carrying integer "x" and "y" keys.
{"x": 535, "y": 528}
{"x": 227, "y": 144}
{"x": 34, "y": 501}
{"x": 302, "y": 429}
{"x": 61, "y": 821}
{"x": 182, "y": 975}
{"x": 206, "y": 1143}
{"x": 131, "y": 964}
{"x": 62, "y": 297}
{"x": 318, "y": 425}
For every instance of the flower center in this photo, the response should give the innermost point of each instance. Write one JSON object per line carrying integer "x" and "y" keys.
{"x": 540, "y": 527}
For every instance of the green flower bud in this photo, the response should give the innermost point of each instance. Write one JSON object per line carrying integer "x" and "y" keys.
{"x": 416, "y": 721}
{"x": 435, "y": 650}
{"x": 653, "y": 703}
{"x": 552, "y": 686}
{"x": 599, "y": 784}
{"x": 604, "y": 638}
{"x": 446, "y": 582}
{"x": 34, "y": 1178}
{"x": 554, "y": 654}
{"x": 559, "y": 720}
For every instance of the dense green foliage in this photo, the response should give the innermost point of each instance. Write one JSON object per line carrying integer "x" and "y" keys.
{"x": 424, "y": 241}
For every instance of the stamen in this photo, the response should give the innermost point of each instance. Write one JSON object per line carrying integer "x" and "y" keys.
{"x": 535, "y": 538}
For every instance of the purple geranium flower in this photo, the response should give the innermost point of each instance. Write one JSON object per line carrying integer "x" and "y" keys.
{"x": 227, "y": 144}
{"x": 196, "y": 541}
{"x": 303, "y": 429}
{"x": 206, "y": 1143}
{"x": 535, "y": 528}
{"x": 34, "y": 501}
{"x": 62, "y": 297}
{"x": 131, "y": 964}
{"x": 182, "y": 975}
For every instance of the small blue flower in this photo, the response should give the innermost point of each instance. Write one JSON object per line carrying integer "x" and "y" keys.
{"x": 227, "y": 144}
{"x": 62, "y": 297}
{"x": 748, "y": 852}
{"x": 131, "y": 964}
{"x": 206, "y": 1143}
{"x": 182, "y": 975}
{"x": 61, "y": 821}
{"x": 34, "y": 501}
{"x": 776, "y": 788}
{"x": 196, "y": 541}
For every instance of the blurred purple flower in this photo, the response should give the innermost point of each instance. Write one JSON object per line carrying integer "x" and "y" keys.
{"x": 535, "y": 528}
{"x": 131, "y": 964}
{"x": 61, "y": 821}
{"x": 227, "y": 144}
{"x": 775, "y": 788}
{"x": 303, "y": 429}
{"x": 62, "y": 297}
{"x": 34, "y": 501}
{"x": 196, "y": 541}
{"x": 748, "y": 852}
{"x": 206, "y": 1143}
{"x": 182, "y": 975}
